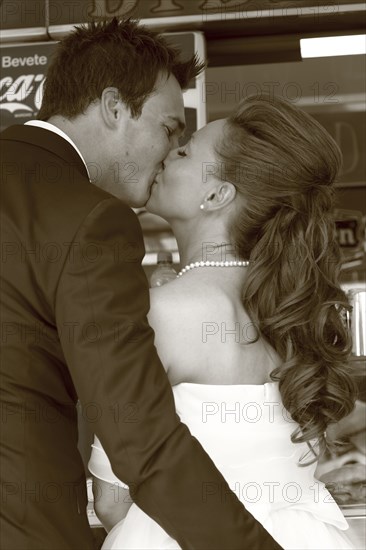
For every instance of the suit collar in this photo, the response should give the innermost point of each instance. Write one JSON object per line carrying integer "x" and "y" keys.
{"x": 47, "y": 140}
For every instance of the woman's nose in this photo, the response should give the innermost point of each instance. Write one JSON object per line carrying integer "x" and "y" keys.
{"x": 174, "y": 140}
{"x": 171, "y": 155}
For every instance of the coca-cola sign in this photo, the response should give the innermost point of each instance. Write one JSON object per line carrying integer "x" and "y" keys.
{"x": 23, "y": 72}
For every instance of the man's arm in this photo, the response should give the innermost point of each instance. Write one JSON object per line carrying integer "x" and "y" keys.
{"x": 103, "y": 294}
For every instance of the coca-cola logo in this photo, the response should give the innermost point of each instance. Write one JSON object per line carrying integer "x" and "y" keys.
{"x": 23, "y": 73}
{"x": 15, "y": 91}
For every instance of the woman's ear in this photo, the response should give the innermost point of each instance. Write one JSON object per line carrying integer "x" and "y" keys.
{"x": 112, "y": 107}
{"x": 221, "y": 196}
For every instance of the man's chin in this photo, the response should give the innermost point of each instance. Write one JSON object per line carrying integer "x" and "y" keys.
{"x": 149, "y": 205}
{"x": 138, "y": 202}
{"x": 150, "y": 199}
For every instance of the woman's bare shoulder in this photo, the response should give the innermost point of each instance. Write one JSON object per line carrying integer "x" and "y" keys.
{"x": 178, "y": 296}
{"x": 178, "y": 293}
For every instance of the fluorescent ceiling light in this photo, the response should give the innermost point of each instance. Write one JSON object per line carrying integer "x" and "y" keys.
{"x": 329, "y": 46}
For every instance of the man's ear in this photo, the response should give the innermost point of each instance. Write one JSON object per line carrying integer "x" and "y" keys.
{"x": 219, "y": 197}
{"x": 112, "y": 107}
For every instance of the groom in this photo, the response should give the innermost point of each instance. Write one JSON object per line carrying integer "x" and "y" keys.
{"x": 75, "y": 299}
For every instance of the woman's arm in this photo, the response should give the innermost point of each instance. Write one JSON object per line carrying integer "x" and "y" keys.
{"x": 111, "y": 502}
{"x": 160, "y": 319}
{"x": 112, "y": 498}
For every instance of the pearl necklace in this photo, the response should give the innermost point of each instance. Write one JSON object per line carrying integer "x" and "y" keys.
{"x": 192, "y": 265}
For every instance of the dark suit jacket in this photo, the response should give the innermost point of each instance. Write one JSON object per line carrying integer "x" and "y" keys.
{"x": 73, "y": 319}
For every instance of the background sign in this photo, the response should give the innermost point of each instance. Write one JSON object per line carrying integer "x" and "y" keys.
{"x": 38, "y": 13}
{"x": 348, "y": 130}
{"x": 23, "y": 71}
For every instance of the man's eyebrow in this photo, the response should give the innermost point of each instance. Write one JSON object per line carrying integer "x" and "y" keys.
{"x": 181, "y": 124}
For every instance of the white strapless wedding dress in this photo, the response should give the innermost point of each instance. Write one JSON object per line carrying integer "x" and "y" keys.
{"x": 246, "y": 431}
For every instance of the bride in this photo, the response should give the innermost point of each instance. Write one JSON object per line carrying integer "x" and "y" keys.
{"x": 250, "y": 332}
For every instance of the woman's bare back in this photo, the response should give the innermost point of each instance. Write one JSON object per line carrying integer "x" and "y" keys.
{"x": 204, "y": 335}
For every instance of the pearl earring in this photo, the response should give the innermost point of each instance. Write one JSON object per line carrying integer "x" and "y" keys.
{"x": 202, "y": 206}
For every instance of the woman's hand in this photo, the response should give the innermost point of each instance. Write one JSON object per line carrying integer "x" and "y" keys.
{"x": 111, "y": 502}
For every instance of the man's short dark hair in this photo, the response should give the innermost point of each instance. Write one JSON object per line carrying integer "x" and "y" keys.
{"x": 114, "y": 53}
